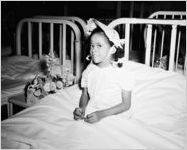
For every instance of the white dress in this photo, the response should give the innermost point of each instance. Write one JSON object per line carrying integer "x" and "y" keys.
{"x": 105, "y": 85}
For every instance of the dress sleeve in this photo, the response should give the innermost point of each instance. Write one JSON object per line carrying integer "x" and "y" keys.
{"x": 127, "y": 80}
{"x": 84, "y": 79}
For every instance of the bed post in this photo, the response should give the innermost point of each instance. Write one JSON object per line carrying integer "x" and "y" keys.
{"x": 18, "y": 38}
{"x": 127, "y": 40}
{"x": 78, "y": 69}
{"x": 72, "y": 49}
{"x": 40, "y": 40}
{"x": 60, "y": 42}
{"x": 64, "y": 44}
{"x": 172, "y": 47}
{"x": 148, "y": 45}
{"x": 30, "y": 38}
{"x": 51, "y": 39}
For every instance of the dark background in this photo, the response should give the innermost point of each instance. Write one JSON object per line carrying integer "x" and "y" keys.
{"x": 14, "y": 11}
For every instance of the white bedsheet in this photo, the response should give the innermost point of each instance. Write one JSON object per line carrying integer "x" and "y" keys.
{"x": 15, "y": 72}
{"x": 156, "y": 119}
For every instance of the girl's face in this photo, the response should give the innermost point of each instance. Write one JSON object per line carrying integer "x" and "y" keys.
{"x": 99, "y": 49}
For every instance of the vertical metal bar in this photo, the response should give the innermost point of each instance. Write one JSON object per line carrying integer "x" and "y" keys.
{"x": 164, "y": 16}
{"x": 156, "y": 16}
{"x": 163, "y": 37}
{"x": 64, "y": 44}
{"x": 172, "y": 47}
{"x": 60, "y": 43}
{"x": 162, "y": 43}
{"x": 127, "y": 38}
{"x": 30, "y": 39}
{"x": 72, "y": 50}
{"x": 52, "y": 39}
{"x": 181, "y": 16}
{"x": 178, "y": 46}
{"x": 78, "y": 60}
{"x": 154, "y": 46}
{"x": 18, "y": 39}
{"x": 40, "y": 39}
{"x": 173, "y": 16}
{"x": 148, "y": 45}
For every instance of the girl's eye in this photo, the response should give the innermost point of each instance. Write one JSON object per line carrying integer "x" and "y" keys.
{"x": 98, "y": 46}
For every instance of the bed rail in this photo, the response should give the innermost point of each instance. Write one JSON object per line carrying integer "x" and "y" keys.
{"x": 77, "y": 20}
{"x": 168, "y": 15}
{"x": 62, "y": 24}
{"x": 174, "y": 24}
{"x": 173, "y": 15}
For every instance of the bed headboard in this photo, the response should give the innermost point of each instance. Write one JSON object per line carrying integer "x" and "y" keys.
{"x": 80, "y": 22}
{"x": 173, "y": 25}
{"x": 180, "y": 48}
{"x": 172, "y": 15}
{"x": 56, "y": 34}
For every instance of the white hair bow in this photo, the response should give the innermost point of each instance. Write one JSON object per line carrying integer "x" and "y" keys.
{"x": 112, "y": 34}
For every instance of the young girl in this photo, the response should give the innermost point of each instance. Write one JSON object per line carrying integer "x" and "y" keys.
{"x": 106, "y": 86}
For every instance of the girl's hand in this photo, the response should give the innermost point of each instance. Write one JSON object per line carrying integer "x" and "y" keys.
{"x": 78, "y": 113}
{"x": 94, "y": 117}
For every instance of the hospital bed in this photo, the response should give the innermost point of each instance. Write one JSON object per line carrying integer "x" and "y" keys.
{"x": 156, "y": 119}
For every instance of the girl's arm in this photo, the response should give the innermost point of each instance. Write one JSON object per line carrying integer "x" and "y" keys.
{"x": 84, "y": 99}
{"x": 80, "y": 111}
{"x": 123, "y": 106}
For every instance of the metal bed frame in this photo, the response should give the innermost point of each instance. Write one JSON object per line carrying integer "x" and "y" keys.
{"x": 150, "y": 22}
{"x": 62, "y": 24}
{"x": 172, "y": 15}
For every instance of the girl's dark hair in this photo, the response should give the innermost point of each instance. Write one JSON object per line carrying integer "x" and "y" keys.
{"x": 119, "y": 51}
